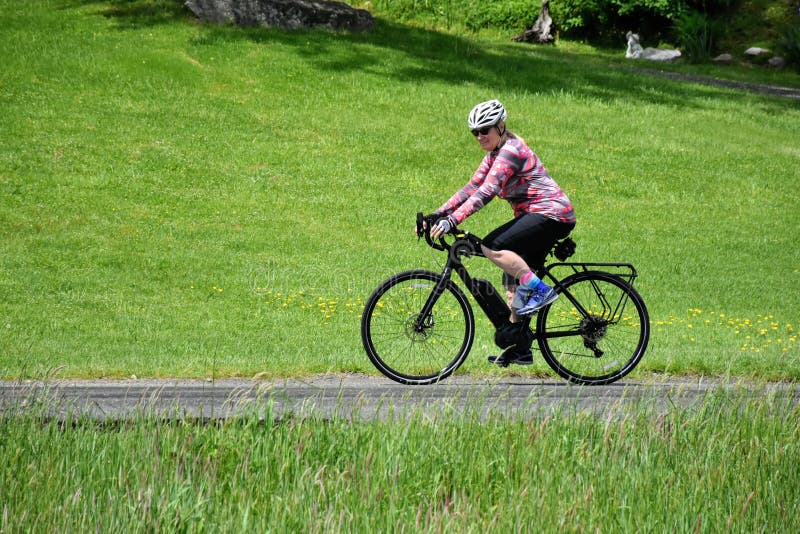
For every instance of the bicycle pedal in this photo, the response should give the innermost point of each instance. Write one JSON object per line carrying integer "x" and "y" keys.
{"x": 500, "y": 361}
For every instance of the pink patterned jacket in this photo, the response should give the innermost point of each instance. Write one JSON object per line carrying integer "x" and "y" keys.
{"x": 513, "y": 173}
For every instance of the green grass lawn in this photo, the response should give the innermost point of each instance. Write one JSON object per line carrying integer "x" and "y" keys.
{"x": 183, "y": 199}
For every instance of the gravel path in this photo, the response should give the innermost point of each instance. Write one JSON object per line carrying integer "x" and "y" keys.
{"x": 366, "y": 397}
{"x": 771, "y": 90}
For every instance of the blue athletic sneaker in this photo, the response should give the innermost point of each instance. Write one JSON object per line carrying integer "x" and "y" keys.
{"x": 538, "y": 298}
{"x": 521, "y": 296}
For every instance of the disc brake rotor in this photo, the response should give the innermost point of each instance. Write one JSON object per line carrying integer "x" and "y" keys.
{"x": 418, "y": 331}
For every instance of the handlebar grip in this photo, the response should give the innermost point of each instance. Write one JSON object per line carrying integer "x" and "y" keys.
{"x": 423, "y": 231}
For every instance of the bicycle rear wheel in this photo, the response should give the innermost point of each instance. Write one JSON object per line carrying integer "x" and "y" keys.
{"x": 601, "y": 345}
{"x": 406, "y": 349}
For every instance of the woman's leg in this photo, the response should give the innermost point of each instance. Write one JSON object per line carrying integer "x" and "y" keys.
{"x": 515, "y": 267}
{"x": 520, "y": 352}
{"x": 532, "y": 235}
{"x": 508, "y": 260}
{"x": 510, "y": 292}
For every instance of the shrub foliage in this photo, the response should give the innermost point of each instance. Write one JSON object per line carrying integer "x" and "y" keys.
{"x": 697, "y": 26}
{"x": 790, "y": 46}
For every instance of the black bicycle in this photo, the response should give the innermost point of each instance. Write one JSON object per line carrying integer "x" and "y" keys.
{"x": 418, "y": 326}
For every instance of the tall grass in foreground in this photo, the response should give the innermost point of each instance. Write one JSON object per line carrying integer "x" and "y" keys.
{"x": 728, "y": 463}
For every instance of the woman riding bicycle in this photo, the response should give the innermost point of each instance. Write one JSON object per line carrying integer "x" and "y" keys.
{"x": 542, "y": 214}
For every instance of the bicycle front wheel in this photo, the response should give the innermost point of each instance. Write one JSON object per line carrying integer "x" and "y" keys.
{"x": 411, "y": 349}
{"x": 597, "y": 330}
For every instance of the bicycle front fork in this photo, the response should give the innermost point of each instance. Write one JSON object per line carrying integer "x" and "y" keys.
{"x": 424, "y": 320}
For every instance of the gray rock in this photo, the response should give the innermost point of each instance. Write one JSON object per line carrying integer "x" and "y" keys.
{"x": 756, "y": 51}
{"x": 724, "y": 59}
{"x": 286, "y": 14}
{"x": 777, "y": 62}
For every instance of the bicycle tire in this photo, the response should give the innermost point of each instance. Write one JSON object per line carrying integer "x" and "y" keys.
{"x": 400, "y": 352}
{"x": 606, "y": 345}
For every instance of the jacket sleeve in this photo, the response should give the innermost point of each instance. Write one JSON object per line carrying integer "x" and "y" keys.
{"x": 463, "y": 194}
{"x": 501, "y": 169}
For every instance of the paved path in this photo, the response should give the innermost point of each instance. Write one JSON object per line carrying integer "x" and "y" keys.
{"x": 760, "y": 88}
{"x": 365, "y": 397}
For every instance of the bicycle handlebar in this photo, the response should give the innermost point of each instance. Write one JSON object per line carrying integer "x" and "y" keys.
{"x": 467, "y": 244}
{"x": 424, "y": 224}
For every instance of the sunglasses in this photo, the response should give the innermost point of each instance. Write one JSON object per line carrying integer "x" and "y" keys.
{"x": 483, "y": 131}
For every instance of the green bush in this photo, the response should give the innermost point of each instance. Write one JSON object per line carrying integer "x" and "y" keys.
{"x": 516, "y": 15}
{"x": 404, "y": 10}
{"x": 712, "y": 7}
{"x": 577, "y": 16}
{"x": 698, "y": 26}
{"x": 697, "y": 34}
{"x": 790, "y": 46}
{"x": 608, "y": 20}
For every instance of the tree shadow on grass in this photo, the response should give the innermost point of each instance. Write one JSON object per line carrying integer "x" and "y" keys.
{"x": 135, "y": 14}
{"x": 445, "y": 58}
{"x": 502, "y": 68}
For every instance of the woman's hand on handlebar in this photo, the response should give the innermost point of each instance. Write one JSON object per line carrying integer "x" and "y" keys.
{"x": 425, "y": 223}
{"x": 433, "y": 226}
{"x": 442, "y": 226}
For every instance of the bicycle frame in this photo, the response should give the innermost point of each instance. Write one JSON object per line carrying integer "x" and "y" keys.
{"x": 492, "y": 303}
{"x": 576, "y": 268}
{"x": 413, "y": 322}
{"x": 484, "y": 293}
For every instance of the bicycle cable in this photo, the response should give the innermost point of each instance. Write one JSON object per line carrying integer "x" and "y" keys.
{"x": 435, "y": 259}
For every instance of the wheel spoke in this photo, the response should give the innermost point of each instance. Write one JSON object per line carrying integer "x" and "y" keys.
{"x": 611, "y": 337}
{"x": 411, "y": 350}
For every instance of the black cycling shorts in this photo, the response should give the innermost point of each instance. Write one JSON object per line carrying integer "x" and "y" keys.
{"x": 531, "y": 236}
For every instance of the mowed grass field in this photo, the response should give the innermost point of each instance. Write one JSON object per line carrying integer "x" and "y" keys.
{"x": 180, "y": 199}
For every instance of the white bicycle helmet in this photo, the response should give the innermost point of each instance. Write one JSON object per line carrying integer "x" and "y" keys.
{"x": 487, "y": 113}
